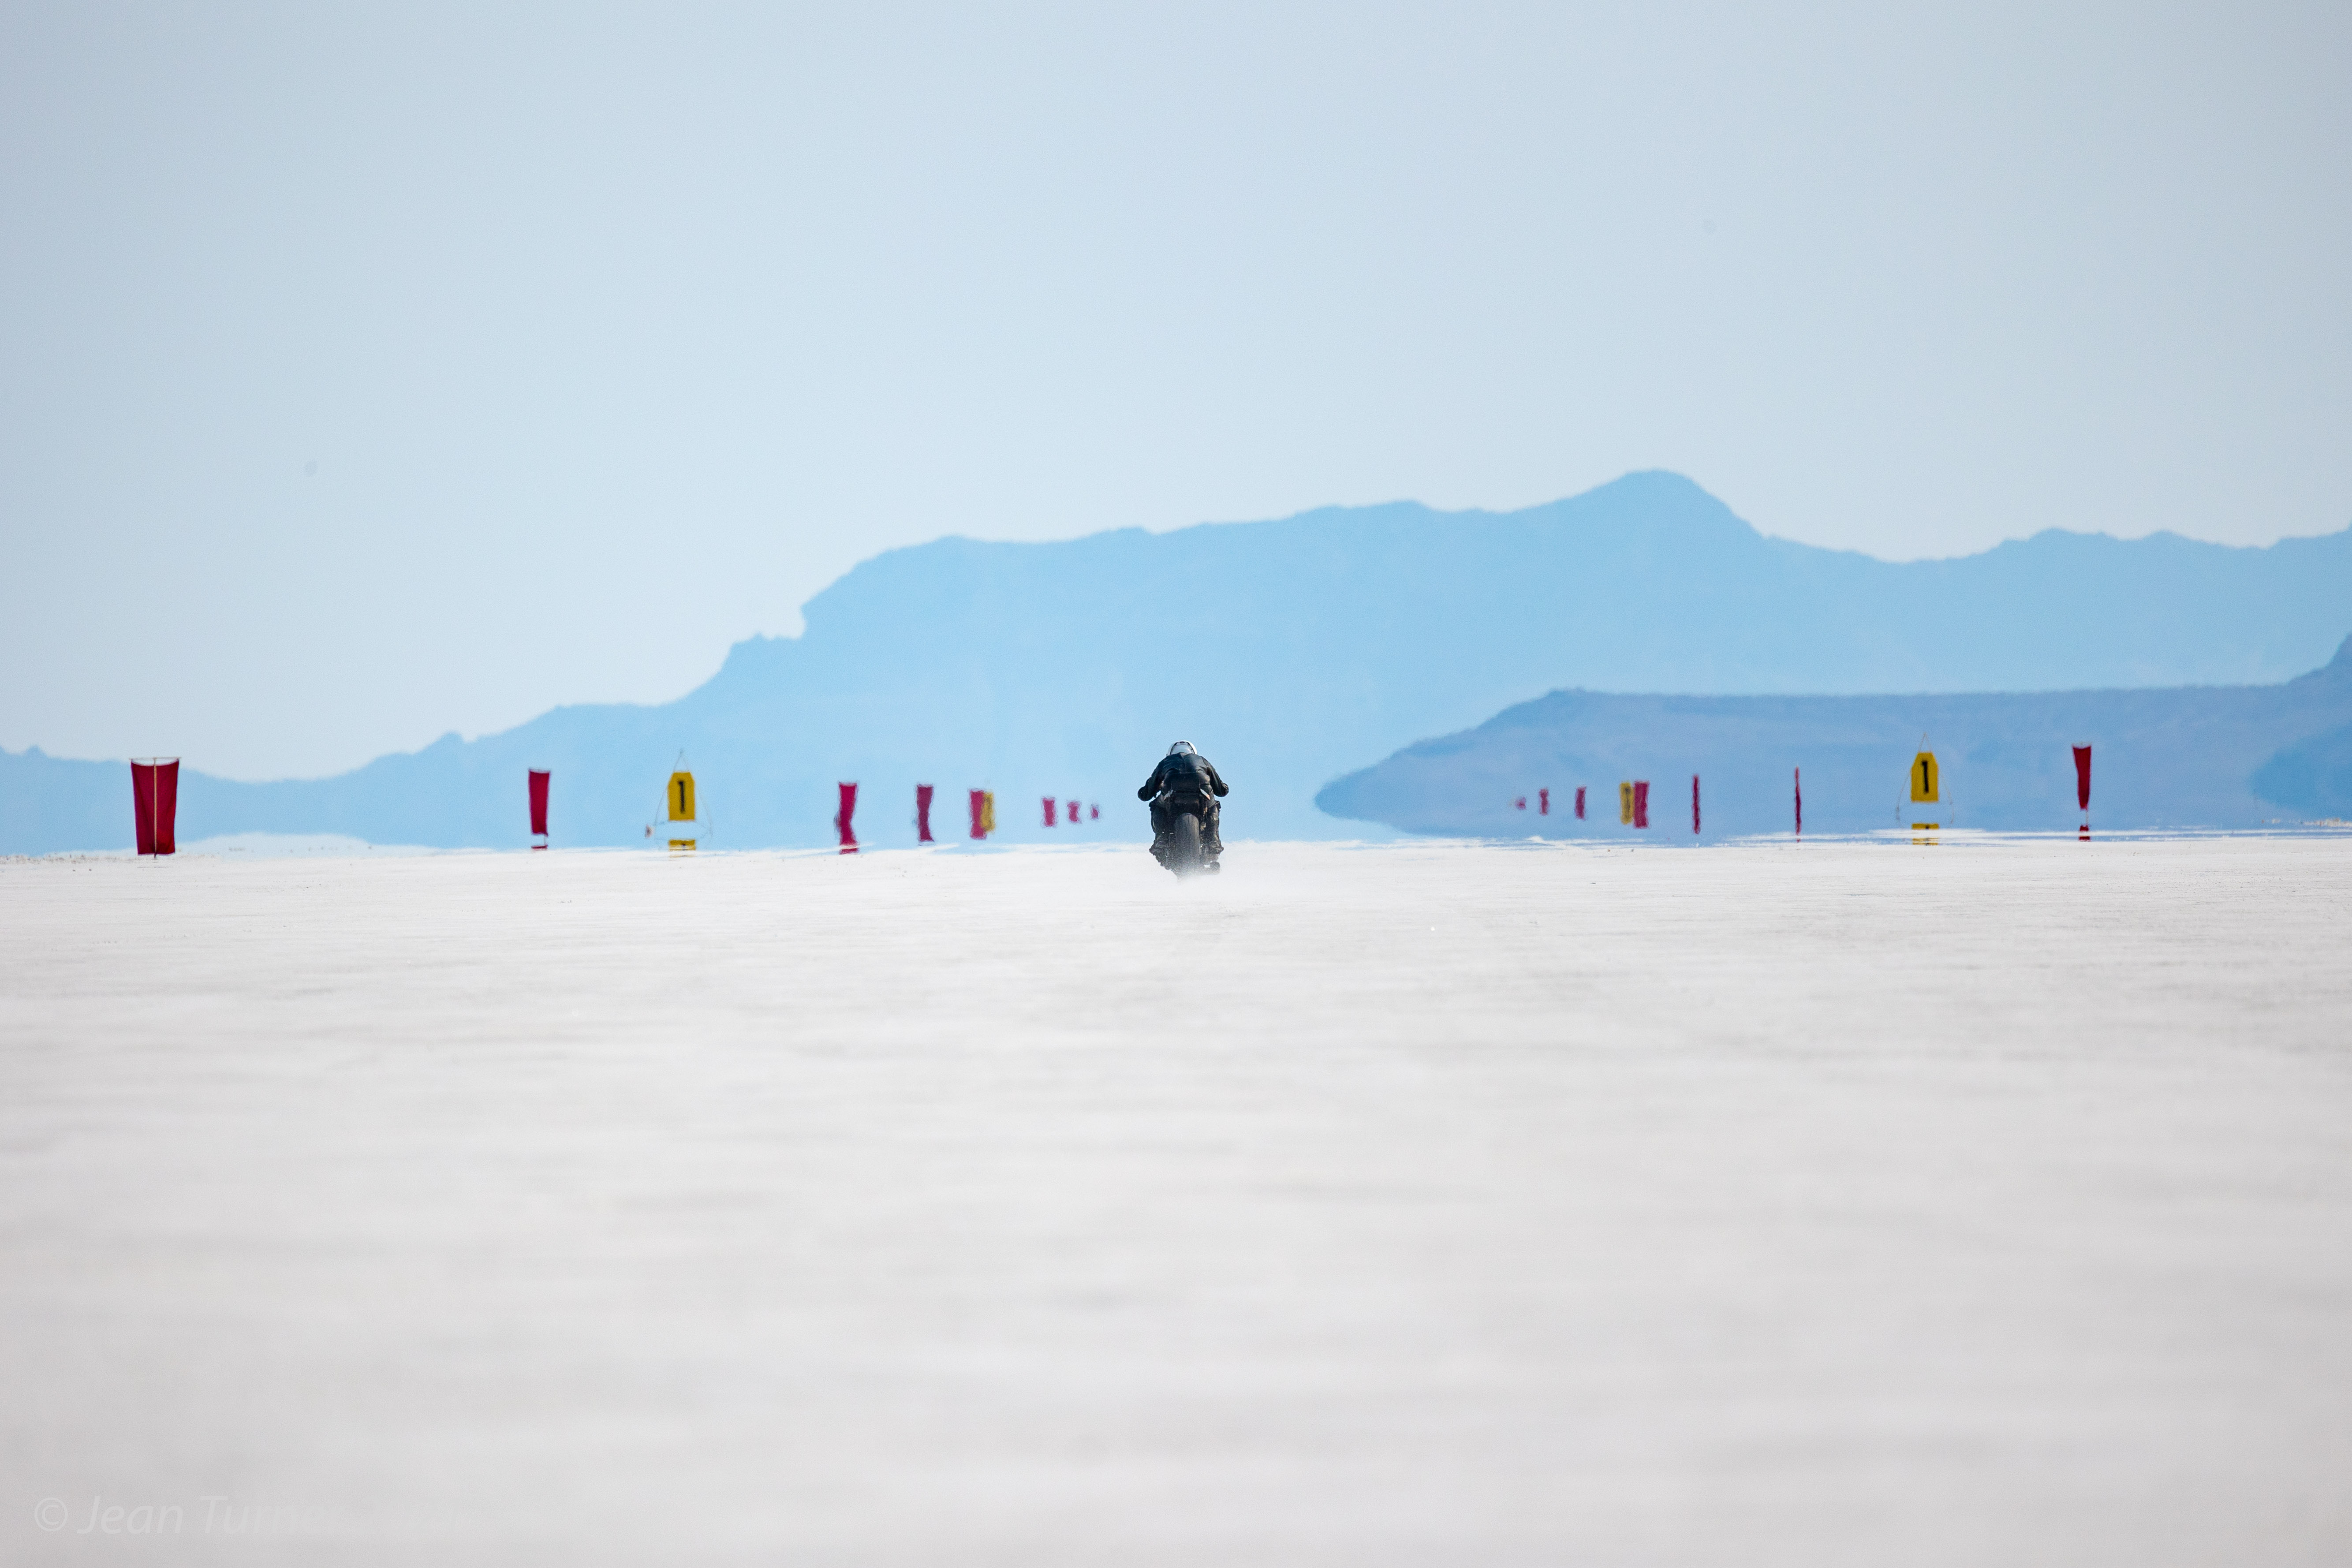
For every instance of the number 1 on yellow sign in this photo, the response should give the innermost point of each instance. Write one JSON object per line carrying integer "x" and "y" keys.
{"x": 1925, "y": 778}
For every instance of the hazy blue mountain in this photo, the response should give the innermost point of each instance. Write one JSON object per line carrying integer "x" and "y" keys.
{"x": 1290, "y": 652}
{"x": 2200, "y": 756}
{"x": 2313, "y": 777}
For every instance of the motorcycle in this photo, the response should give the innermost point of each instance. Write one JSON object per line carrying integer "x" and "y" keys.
{"x": 1185, "y": 854}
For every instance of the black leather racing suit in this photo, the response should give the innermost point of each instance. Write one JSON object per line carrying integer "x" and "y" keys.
{"x": 1192, "y": 779}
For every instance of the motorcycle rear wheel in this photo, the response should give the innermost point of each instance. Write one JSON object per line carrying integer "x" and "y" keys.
{"x": 1184, "y": 847}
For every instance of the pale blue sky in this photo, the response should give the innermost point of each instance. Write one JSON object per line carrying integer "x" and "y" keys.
{"x": 612, "y": 335}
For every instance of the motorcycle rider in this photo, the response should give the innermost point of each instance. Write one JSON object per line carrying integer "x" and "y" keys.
{"x": 1184, "y": 778}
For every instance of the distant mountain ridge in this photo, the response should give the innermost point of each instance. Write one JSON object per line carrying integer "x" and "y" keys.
{"x": 1290, "y": 651}
{"x": 2200, "y": 756}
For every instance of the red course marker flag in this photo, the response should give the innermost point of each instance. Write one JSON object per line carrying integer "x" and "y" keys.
{"x": 1579, "y": 802}
{"x": 1693, "y": 803}
{"x": 978, "y": 814}
{"x": 1640, "y": 803}
{"x": 1049, "y": 811}
{"x": 155, "y": 804}
{"x": 1799, "y": 776}
{"x": 1543, "y": 803}
{"x": 539, "y": 806}
{"x": 841, "y": 818}
{"x": 923, "y": 815}
{"x": 2083, "y": 777}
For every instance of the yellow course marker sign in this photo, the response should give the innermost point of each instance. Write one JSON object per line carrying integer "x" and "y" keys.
{"x": 1926, "y": 786}
{"x": 1626, "y": 803}
{"x": 679, "y": 798}
{"x": 1925, "y": 778}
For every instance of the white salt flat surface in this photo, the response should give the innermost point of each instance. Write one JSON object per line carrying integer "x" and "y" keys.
{"x": 1861, "y": 1203}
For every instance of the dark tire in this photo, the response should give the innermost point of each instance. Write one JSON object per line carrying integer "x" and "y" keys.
{"x": 1184, "y": 845}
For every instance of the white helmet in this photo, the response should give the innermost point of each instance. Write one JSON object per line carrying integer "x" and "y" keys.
{"x": 1182, "y": 749}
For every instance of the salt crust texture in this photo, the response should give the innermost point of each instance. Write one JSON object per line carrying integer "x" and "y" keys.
{"x": 1987, "y": 1202}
